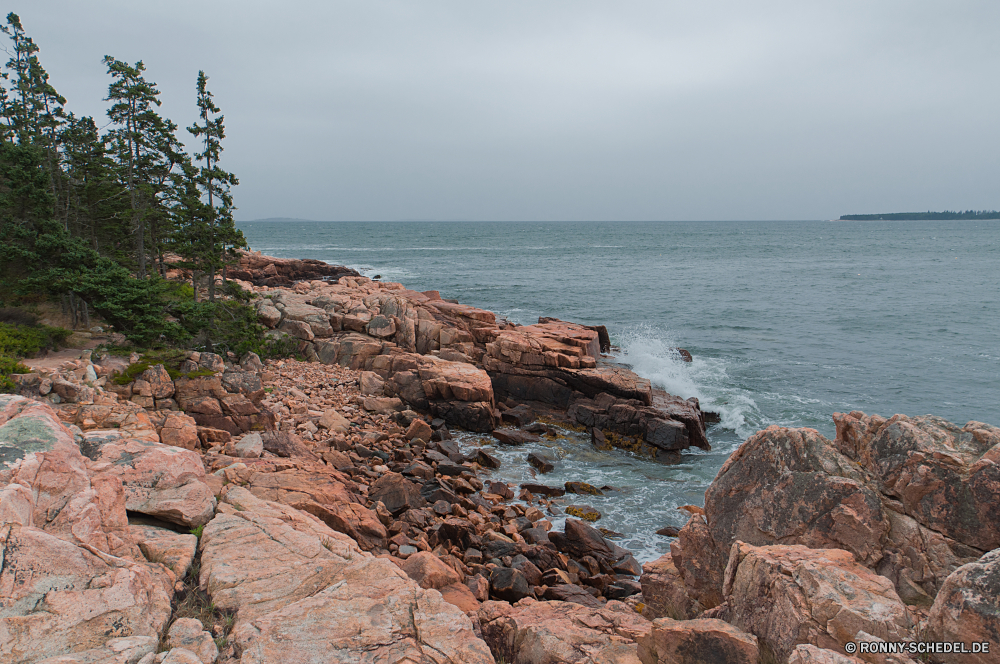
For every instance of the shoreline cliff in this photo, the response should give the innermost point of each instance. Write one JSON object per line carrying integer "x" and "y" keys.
{"x": 290, "y": 511}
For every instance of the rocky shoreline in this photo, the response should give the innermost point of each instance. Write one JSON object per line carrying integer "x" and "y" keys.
{"x": 243, "y": 511}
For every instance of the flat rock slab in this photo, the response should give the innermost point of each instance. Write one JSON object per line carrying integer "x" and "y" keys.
{"x": 159, "y": 480}
{"x": 61, "y": 599}
{"x": 514, "y": 436}
{"x": 304, "y": 593}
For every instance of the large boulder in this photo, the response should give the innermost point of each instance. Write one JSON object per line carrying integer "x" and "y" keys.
{"x": 704, "y": 640}
{"x": 159, "y": 480}
{"x": 947, "y": 477}
{"x": 304, "y": 593}
{"x": 663, "y": 591}
{"x": 354, "y": 520}
{"x": 61, "y": 599}
{"x": 792, "y": 486}
{"x": 533, "y": 632}
{"x": 44, "y": 482}
{"x": 787, "y": 595}
{"x": 967, "y": 609}
{"x": 700, "y": 562}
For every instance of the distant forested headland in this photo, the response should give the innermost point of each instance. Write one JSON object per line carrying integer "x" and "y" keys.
{"x": 923, "y": 216}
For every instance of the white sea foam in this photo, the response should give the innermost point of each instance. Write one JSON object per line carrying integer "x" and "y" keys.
{"x": 652, "y": 354}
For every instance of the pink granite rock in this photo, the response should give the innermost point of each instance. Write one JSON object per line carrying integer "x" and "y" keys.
{"x": 787, "y": 595}
{"x": 532, "y": 632}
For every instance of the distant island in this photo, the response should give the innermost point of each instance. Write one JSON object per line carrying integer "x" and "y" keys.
{"x": 271, "y": 219}
{"x": 923, "y": 216}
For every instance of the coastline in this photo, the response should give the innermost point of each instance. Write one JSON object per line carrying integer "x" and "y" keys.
{"x": 354, "y": 449}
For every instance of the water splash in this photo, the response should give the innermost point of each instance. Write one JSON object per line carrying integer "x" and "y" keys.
{"x": 652, "y": 354}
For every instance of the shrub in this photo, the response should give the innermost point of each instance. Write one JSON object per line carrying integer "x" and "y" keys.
{"x": 8, "y": 366}
{"x": 20, "y": 341}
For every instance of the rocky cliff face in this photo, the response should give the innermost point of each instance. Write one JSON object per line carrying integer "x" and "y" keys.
{"x": 464, "y": 365}
{"x": 321, "y": 511}
{"x": 892, "y": 514}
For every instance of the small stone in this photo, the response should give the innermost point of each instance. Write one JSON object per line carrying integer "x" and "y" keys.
{"x": 541, "y": 462}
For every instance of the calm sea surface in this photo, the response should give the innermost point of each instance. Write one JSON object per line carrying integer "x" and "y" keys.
{"x": 788, "y": 322}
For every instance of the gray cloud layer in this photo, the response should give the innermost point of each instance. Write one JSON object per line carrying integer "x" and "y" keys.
{"x": 524, "y": 110}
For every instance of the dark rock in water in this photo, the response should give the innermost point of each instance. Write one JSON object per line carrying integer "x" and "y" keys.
{"x": 397, "y": 493}
{"x": 540, "y": 429}
{"x": 543, "y": 490}
{"x": 519, "y": 415}
{"x": 502, "y": 490}
{"x": 541, "y": 462}
{"x": 611, "y": 534}
{"x": 685, "y": 355}
{"x": 514, "y": 436}
{"x": 509, "y": 584}
{"x": 486, "y": 460}
{"x": 571, "y": 593}
{"x": 711, "y": 417}
{"x": 585, "y": 512}
{"x": 669, "y": 531}
{"x": 583, "y": 488}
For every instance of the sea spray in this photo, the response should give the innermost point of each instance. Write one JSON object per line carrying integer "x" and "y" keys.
{"x": 652, "y": 353}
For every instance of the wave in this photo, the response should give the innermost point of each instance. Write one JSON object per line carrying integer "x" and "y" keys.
{"x": 652, "y": 354}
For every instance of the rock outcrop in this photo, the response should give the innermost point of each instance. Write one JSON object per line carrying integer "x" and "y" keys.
{"x": 966, "y": 609}
{"x": 793, "y": 486}
{"x": 302, "y": 591}
{"x": 790, "y": 595}
{"x": 533, "y": 632}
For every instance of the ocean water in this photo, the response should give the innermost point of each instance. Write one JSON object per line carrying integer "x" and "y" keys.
{"x": 787, "y": 322}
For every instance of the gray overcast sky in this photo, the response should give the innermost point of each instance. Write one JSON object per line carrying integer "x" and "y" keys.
{"x": 565, "y": 109}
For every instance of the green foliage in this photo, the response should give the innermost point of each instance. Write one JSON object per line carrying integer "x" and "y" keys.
{"x": 197, "y": 531}
{"x": 135, "y": 307}
{"x": 170, "y": 358}
{"x": 220, "y": 326}
{"x": 8, "y": 366}
{"x": 20, "y": 341}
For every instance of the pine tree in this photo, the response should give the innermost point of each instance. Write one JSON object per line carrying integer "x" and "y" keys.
{"x": 148, "y": 151}
{"x": 223, "y": 236}
{"x": 35, "y": 114}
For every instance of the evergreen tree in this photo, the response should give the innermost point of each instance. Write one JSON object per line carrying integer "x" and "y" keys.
{"x": 35, "y": 114}
{"x": 147, "y": 150}
{"x": 223, "y": 238}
